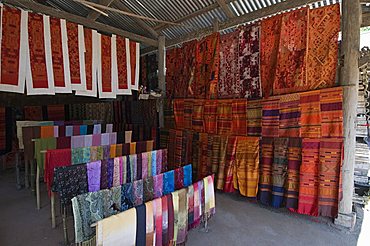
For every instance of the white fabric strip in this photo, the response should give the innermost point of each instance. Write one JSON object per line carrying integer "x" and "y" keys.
{"x": 114, "y": 66}
{"x": 137, "y": 68}
{"x": 128, "y": 64}
{"x": 67, "y": 72}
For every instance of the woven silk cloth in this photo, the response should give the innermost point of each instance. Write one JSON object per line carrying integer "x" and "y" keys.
{"x": 70, "y": 181}
{"x": 239, "y": 119}
{"x": 229, "y": 163}
{"x": 249, "y": 61}
{"x": 123, "y": 86}
{"x": 73, "y": 52}
{"x": 279, "y": 169}
{"x": 56, "y": 112}
{"x": 224, "y": 117}
{"x": 210, "y": 116}
{"x": 188, "y": 112}
{"x": 265, "y": 179}
{"x": 310, "y": 121}
{"x": 10, "y": 77}
{"x": 289, "y": 116}
{"x": 187, "y": 68}
{"x": 140, "y": 225}
{"x": 270, "y": 117}
{"x": 178, "y": 106}
{"x": 222, "y": 161}
{"x": 292, "y": 180}
{"x": 331, "y": 112}
{"x": 270, "y": 38}
{"x": 246, "y": 168}
{"x": 207, "y": 67}
{"x": 93, "y": 175}
{"x": 53, "y": 159}
{"x": 229, "y": 82}
{"x": 322, "y": 46}
{"x": 291, "y": 62}
{"x": 171, "y": 71}
{"x": 197, "y": 116}
{"x": 33, "y": 113}
{"x": 254, "y": 116}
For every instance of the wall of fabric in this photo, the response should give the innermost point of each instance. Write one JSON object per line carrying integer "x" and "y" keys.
{"x": 289, "y": 52}
{"x": 66, "y": 57}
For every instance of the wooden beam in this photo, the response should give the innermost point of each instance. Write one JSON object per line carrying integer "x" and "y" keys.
{"x": 140, "y": 22}
{"x": 351, "y": 20}
{"x": 225, "y": 8}
{"x": 40, "y": 8}
{"x": 252, "y": 16}
{"x": 365, "y": 20}
{"x": 93, "y": 15}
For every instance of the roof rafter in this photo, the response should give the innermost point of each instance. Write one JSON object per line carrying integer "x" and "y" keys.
{"x": 225, "y": 8}
{"x": 93, "y": 15}
{"x": 40, "y": 8}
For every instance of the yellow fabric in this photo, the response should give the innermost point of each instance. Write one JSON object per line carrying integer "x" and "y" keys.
{"x": 132, "y": 148}
{"x": 118, "y": 229}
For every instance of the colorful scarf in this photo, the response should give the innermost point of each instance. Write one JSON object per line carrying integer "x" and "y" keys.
{"x": 254, "y": 118}
{"x": 93, "y": 175}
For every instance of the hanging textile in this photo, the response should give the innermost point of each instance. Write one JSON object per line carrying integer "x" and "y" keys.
{"x": 291, "y": 62}
{"x": 270, "y": 117}
{"x": 249, "y": 61}
{"x": 13, "y": 49}
{"x": 254, "y": 117}
{"x": 246, "y": 167}
{"x": 265, "y": 179}
{"x": 270, "y": 38}
{"x": 122, "y": 46}
{"x": 210, "y": 116}
{"x": 33, "y": 113}
{"x": 224, "y": 117}
{"x": 60, "y": 57}
{"x": 88, "y": 60}
{"x": 322, "y": 46}
{"x": 197, "y": 116}
{"x": 75, "y": 35}
{"x": 207, "y": 68}
{"x": 187, "y": 68}
{"x": 188, "y": 112}
{"x": 239, "y": 117}
{"x": 171, "y": 71}
{"x": 290, "y": 115}
{"x": 134, "y": 65}
{"x": 107, "y": 82}
{"x": 56, "y": 112}
{"x": 310, "y": 121}
{"x": 331, "y": 112}
{"x": 229, "y": 83}
{"x": 292, "y": 179}
{"x": 229, "y": 163}
{"x": 40, "y": 78}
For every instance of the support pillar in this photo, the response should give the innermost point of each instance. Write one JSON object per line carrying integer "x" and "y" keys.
{"x": 162, "y": 75}
{"x": 351, "y": 23}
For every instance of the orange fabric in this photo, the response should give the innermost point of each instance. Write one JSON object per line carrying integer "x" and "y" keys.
{"x": 88, "y": 58}
{"x": 106, "y": 59}
{"x": 73, "y": 51}
{"x": 57, "y": 52}
{"x": 47, "y": 131}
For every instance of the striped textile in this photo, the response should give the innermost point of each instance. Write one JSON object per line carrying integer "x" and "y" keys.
{"x": 279, "y": 171}
{"x": 289, "y": 116}
{"x": 196, "y": 154}
{"x": 292, "y": 180}
{"x": 210, "y": 116}
{"x": 222, "y": 161}
{"x": 188, "y": 111}
{"x": 168, "y": 114}
{"x": 254, "y": 117}
{"x": 329, "y": 176}
{"x": 171, "y": 147}
{"x": 270, "y": 117}
{"x": 229, "y": 164}
{"x": 265, "y": 180}
{"x": 215, "y": 153}
{"x": 310, "y": 121}
{"x": 197, "y": 116}
{"x": 246, "y": 166}
{"x": 178, "y": 162}
{"x": 178, "y": 106}
{"x": 331, "y": 112}
{"x": 203, "y": 155}
{"x": 239, "y": 119}
{"x": 224, "y": 117}
{"x": 308, "y": 186}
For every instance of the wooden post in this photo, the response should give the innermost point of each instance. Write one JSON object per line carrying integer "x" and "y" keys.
{"x": 32, "y": 175}
{"x": 65, "y": 230}
{"x": 216, "y": 25}
{"x": 38, "y": 187}
{"x": 351, "y": 20}
{"x": 52, "y": 206}
{"x": 161, "y": 75}
{"x": 26, "y": 173}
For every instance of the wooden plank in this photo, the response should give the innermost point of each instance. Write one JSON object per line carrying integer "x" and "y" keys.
{"x": 252, "y": 16}
{"x": 93, "y": 15}
{"x": 138, "y": 21}
{"x": 225, "y": 8}
{"x": 40, "y": 8}
{"x": 351, "y": 20}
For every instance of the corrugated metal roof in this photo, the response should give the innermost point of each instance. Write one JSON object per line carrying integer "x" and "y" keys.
{"x": 172, "y": 10}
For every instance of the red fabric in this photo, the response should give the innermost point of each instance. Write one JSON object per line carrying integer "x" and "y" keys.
{"x": 37, "y": 50}
{"x": 56, "y": 112}
{"x": 88, "y": 58}
{"x": 122, "y": 63}
{"x": 106, "y": 60}
{"x": 57, "y": 52}
{"x": 133, "y": 61}
{"x": 55, "y": 158}
{"x": 33, "y": 113}
{"x": 10, "y": 45}
{"x": 73, "y": 50}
